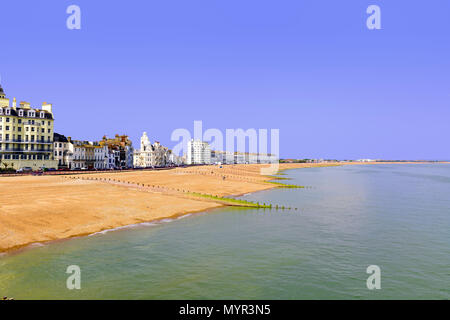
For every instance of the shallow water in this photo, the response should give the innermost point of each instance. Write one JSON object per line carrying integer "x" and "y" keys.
{"x": 393, "y": 216}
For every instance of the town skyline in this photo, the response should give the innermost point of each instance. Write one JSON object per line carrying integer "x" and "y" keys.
{"x": 167, "y": 155}
{"x": 28, "y": 142}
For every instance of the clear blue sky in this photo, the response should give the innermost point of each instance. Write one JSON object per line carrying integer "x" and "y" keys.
{"x": 310, "y": 68}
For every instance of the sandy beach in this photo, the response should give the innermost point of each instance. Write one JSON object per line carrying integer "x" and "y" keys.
{"x": 52, "y": 207}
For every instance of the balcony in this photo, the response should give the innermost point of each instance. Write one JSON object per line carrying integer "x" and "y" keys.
{"x": 28, "y": 123}
{"x": 25, "y": 151}
{"x": 23, "y": 141}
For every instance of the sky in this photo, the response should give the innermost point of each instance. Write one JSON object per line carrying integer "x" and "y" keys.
{"x": 312, "y": 69}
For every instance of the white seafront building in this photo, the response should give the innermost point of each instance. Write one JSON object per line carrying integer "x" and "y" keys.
{"x": 224, "y": 157}
{"x": 198, "y": 152}
{"x": 154, "y": 155}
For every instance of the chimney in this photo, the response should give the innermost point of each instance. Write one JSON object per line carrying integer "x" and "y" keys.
{"x": 14, "y": 103}
{"x": 25, "y": 105}
{"x": 47, "y": 107}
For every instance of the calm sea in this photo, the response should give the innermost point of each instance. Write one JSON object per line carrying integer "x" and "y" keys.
{"x": 394, "y": 216}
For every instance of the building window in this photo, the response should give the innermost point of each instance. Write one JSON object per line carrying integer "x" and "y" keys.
{"x": 20, "y": 114}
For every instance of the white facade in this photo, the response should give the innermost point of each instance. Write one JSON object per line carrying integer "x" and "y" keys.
{"x": 112, "y": 159}
{"x": 101, "y": 159}
{"x": 73, "y": 154}
{"x": 153, "y": 155}
{"x": 220, "y": 157}
{"x": 78, "y": 155}
{"x": 198, "y": 152}
{"x": 224, "y": 157}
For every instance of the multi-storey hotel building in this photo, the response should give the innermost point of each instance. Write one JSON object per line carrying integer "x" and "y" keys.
{"x": 198, "y": 152}
{"x": 26, "y": 135}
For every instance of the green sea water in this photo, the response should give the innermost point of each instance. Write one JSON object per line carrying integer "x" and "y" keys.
{"x": 394, "y": 216}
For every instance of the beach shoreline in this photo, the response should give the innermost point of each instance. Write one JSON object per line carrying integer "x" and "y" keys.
{"x": 45, "y": 209}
